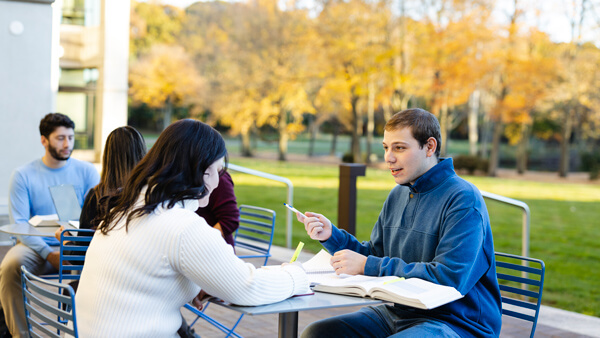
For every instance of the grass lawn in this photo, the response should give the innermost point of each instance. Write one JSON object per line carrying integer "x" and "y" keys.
{"x": 562, "y": 220}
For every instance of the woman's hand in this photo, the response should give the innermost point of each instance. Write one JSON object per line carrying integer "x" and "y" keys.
{"x": 58, "y": 232}
{"x": 200, "y": 299}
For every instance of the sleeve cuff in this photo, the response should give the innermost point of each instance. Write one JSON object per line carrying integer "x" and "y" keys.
{"x": 45, "y": 252}
{"x": 301, "y": 284}
{"x": 372, "y": 266}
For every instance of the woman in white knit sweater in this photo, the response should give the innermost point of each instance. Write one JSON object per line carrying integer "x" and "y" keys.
{"x": 152, "y": 253}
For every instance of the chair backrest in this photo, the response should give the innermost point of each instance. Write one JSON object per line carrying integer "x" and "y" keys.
{"x": 521, "y": 282}
{"x": 73, "y": 246}
{"x": 47, "y": 310}
{"x": 255, "y": 232}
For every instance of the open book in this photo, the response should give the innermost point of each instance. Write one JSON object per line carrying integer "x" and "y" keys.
{"x": 413, "y": 292}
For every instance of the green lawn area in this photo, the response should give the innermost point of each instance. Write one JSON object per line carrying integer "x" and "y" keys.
{"x": 562, "y": 220}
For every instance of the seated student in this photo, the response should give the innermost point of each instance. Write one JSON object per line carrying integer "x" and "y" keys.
{"x": 222, "y": 211}
{"x": 435, "y": 226}
{"x": 124, "y": 148}
{"x": 29, "y": 195}
{"x": 152, "y": 253}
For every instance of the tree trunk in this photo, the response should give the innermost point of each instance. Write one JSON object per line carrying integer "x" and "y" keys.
{"x": 336, "y": 131}
{"x": 522, "y": 149}
{"x": 370, "y": 119}
{"x": 387, "y": 112}
{"x": 355, "y": 142}
{"x": 563, "y": 169}
{"x": 486, "y": 128}
{"x": 495, "y": 153}
{"x": 444, "y": 128}
{"x": 283, "y": 135}
{"x": 246, "y": 149}
{"x": 312, "y": 128}
{"x": 167, "y": 114}
{"x": 473, "y": 121}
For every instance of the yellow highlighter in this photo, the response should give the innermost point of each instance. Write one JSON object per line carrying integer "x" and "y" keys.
{"x": 297, "y": 252}
{"x": 393, "y": 280}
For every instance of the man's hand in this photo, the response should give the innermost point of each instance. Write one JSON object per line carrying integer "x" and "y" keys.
{"x": 200, "y": 299}
{"x": 348, "y": 262}
{"x": 54, "y": 259}
{"x": 317, "y": 226}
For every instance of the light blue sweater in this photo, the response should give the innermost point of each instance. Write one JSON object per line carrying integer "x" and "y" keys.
{"x": 29, "y": 194}
{"x": 439, "y": 230}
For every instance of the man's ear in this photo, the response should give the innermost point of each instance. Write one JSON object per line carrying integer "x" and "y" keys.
{"x": 431, "y": 146}
{"x": 44, "y": 141}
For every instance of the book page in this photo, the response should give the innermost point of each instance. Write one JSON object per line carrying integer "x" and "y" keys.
{"x": 319, "y": 263}
{"x": 417, "y": 293}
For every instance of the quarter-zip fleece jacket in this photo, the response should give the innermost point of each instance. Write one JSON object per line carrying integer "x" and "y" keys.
{"x": 439, "y": 230}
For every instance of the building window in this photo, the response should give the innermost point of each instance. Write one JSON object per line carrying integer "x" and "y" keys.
{"x": 77, "y": 99}
{"x": 81, "y": 12}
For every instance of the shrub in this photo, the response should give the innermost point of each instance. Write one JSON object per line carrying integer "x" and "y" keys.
{"x": 591, "y": 162}
{"x": 348, "y": 158}
{"x": 470, "y": 163}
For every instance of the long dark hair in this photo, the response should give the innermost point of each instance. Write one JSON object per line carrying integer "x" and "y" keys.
{"x": 173, "y": 170}
{"x": 124, "y": 148}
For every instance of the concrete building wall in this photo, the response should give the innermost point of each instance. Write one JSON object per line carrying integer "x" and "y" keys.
{"x": 29, "y": 68}
{"x": 26, "y": 88}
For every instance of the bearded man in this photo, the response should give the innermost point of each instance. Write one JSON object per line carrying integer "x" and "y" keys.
{"x": 29, "y": 195}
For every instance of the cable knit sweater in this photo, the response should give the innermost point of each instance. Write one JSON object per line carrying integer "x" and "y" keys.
{"x": 134, "y": 283}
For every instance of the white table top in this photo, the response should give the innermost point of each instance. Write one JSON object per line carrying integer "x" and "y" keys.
{"x": 318, "y": 301}
{"x": 26, "y": 229}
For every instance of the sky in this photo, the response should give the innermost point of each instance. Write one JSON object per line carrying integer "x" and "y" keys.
{"x": 554, "y": 18}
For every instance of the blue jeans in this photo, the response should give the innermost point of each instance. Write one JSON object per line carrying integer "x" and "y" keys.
{"x": 377, "y": 321}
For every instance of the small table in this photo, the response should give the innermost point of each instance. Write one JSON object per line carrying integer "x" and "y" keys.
{"x": 288, "y": 309}
{"x": 26, "y": 229}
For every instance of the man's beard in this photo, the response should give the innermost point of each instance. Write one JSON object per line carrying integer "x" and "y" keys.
{"x": 54, "y": 153}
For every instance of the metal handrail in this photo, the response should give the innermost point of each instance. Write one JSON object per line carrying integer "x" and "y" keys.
{"x": 290, "y": 194}
{"x": 526, "y": 217}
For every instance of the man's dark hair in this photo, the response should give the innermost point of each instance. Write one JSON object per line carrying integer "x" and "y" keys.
{"x": 422, "y": 123}
{"x": 54, "y": 120}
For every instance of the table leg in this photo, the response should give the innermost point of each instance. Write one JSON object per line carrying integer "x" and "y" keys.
{"x": 288, "y": 325}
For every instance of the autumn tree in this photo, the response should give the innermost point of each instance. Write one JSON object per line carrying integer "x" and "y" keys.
{"x": 153, "y": 24}
{"x": 256, "y": 65}
{"x": 164, "y": 78}
{"x": 448, "y": 57}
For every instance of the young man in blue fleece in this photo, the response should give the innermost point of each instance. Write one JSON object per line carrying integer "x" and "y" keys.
{"x": 435, "y": 226}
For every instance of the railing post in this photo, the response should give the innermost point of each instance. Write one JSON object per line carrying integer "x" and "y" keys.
{"x": 526, "y": 217}
{"x": 290, "y": 195}
{"x": 347, "y": 195}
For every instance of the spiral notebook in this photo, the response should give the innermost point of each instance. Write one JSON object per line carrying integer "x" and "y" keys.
{"x": 319, "y": 263}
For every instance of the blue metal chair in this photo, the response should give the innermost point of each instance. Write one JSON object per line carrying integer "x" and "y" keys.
{"x": 73, "y": 246}
{"x": 47, "y": 310}
{"x": 254, "y": 234}
{"x": 521, "y": 282}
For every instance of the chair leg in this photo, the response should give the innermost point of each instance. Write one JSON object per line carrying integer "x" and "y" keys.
{"x": 213, "y": 322}
{"x": 233, "y": 328}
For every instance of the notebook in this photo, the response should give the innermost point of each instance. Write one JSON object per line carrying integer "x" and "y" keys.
{"x": 66, "y": 204}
